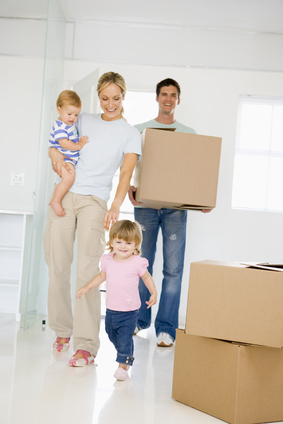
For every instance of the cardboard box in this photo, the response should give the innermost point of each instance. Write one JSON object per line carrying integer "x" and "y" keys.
{"x": 177, "y": 170}
{"x": 230, "y": 301}
{"x": 238, "y": 384}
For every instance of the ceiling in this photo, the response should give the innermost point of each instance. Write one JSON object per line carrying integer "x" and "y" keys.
{"x": 224, "y": 15}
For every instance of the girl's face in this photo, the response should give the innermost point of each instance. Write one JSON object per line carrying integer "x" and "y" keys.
{"x": 122, "y": 249}
{"x": 111, "y": 102}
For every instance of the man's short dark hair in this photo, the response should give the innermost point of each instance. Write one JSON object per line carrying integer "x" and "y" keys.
{"x": 165, "y": 83}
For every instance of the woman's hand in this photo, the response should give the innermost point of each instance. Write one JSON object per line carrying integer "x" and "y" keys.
{"x": 110, "y": 218}
{"x": 57, "y": 160}
{"x": 126, "y": 171}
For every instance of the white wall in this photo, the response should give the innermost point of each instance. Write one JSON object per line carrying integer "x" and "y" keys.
{"x": 22, "y": 44}
{"x": 209, "y": 103}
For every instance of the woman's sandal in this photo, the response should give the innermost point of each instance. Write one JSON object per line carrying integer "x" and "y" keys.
{"x": 82, "y": 362}
{"x": 61, "y": 347}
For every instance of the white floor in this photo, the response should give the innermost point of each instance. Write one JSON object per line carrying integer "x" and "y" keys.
{"x": 38, "y": 387}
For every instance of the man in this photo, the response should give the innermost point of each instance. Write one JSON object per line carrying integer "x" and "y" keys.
{"x": 173, "y": 226}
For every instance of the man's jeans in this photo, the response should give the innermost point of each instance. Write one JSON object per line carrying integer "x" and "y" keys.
{"x": 173, "y": 226}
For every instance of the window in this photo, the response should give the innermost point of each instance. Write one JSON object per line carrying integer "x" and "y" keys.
{"x": 140, "y": 106}
{"x": 258, "y": 166}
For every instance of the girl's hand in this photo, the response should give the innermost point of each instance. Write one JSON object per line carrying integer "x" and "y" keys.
{"x": 110, "y": 218}
{"x": 152, "y": 300}
{"x": 81, "y": 292}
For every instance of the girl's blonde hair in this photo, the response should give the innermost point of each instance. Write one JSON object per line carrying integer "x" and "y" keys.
{"x": 70, "y": 97}
{"x": 126, "y": 230}
{"x": 112, "y": 78}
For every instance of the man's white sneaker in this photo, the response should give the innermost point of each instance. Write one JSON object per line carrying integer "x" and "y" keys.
{"x": 164, "y": 340}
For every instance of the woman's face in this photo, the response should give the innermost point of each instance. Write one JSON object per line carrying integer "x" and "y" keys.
{"x": 111, "y": 102}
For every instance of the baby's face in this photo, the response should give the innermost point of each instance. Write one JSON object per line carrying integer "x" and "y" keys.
{"x": 122, "y": 249}
{"x": 68, "y": 114}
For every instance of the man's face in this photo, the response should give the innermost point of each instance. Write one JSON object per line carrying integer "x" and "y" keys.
{"x": 168, "y": 99}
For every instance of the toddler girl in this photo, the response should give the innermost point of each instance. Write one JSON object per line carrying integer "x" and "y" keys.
{"x": 121, "y": 269}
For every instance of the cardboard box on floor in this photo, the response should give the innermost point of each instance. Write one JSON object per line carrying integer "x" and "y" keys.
{"x": 177, "y": 170}
{"x": 230, "y": 301}
{"x": 236, "y": 383}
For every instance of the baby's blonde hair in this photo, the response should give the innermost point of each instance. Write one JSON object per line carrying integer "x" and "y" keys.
{"x": 126, "y": 230}
{"x": 70, "y": 97}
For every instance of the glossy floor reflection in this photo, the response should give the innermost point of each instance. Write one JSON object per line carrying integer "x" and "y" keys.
{"x": 38, "y": 387}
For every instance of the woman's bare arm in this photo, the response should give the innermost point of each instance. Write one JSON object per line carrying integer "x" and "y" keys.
{"x": 126, "y": 172}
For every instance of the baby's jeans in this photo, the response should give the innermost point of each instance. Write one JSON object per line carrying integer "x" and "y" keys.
{"x": 120, "y": 327}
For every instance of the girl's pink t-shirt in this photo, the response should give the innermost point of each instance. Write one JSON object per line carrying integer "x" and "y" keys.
{"x": 122, "y": 282}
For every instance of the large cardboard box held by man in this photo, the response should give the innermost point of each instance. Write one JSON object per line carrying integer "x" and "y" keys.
{"x": 239, "y": 384}
{"x": 177, "y": 170}
{"x": 230, "y": 301}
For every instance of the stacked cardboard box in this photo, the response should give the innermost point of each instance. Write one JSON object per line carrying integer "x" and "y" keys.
{"x": 229, "y": 359}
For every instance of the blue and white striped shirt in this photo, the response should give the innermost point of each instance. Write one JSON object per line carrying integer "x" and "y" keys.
{"x": 61, "y": 130}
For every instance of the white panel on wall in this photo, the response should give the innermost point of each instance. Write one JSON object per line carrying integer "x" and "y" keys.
{"x": 22, "y": 37}
{"x": 259, "y": 15}
{"x": 177, "y": 47}
{"x": 24, "y": 9}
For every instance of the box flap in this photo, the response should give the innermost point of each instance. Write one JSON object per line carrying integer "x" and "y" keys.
{"x": 162, "y": 129}
{"x": 265, "y": 265}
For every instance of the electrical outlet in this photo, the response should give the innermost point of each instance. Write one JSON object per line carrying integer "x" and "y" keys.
{"x": 17, "y": 178}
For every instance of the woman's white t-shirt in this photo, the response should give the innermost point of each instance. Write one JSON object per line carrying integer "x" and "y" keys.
{"x": 100, "y": 158}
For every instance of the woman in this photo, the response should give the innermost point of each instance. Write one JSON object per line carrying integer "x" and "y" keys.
{"x": 113, "y": 143}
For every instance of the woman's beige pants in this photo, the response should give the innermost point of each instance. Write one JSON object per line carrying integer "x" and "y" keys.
{"x": 84, "y": 214}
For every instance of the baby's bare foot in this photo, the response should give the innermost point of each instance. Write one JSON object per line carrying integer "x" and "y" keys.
{"x": 57, "y": 207}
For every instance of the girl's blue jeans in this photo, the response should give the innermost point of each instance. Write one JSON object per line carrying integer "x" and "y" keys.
{"x": 120, "y": 327}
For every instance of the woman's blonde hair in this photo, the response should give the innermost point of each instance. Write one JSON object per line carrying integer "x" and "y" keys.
{"x": 112, "y": 78}
{"x": 70, "y": 97}
{"x": 126, "y": 230}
